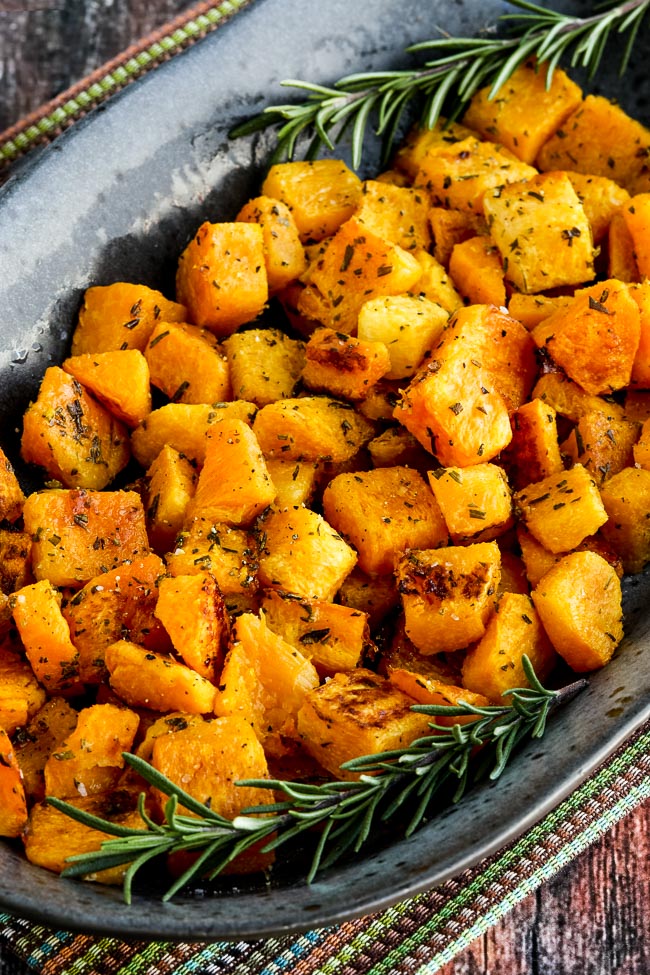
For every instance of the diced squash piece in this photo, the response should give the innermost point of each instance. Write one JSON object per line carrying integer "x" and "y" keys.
{"x": 527, "y": 111}
{"x": 641, "y": 364}
{"x": 167, "y": 724}
{"x": 408, "y": 326}
{"x": 595, "y": 338}
{"x": 626, "y": 497}
{"x": 356, "y": 714}
{"x": 357, "y": 265}
{"x": 460, "y": 175}
{"x": 188, "y": 364}
{"x": 171, "y": 482}
{"x": 78, "y": 534}
{"x": 46, "y": 731}
{"x": 321, "y": 194}
{"x": 193, "y": 612}
{"x": 448, "y": 594}
{"x": 533, "y": 452}
{"x": 375, "y": 597}
{"x": 112, "y": 605}
{"x": 430, "y": 690}
{"x": 229, "y": 554}
{"x": 52, "y": 836}
{"x": 420, "y": 141}
{"x": 283, "y": 252}
{"x": 46, "y": 636}
{"x": 530, "y": 310}
{"x": 538, "y": 560}
{"x": 311, "y": 428}
{"x": 90, "y": 759}
{"x": 265, "y": 365}
{"x": 395, "y": 213}
{"x": 493, "y": 665}
{"x": 21, "y": 696}
{"x": 382, "y": 513}
{"x": 641, "y": 449}
{"x": 434, "y": 283}
{"x": 579, "y": 602}
{"x": 601, "y": 198}
{"x": 601, "y": 140}
{"x": 475, "y": 501}
{"x": 333, "y": 637}
{"x": 477, "y": 271}
{"x": 294, "y": 481}
{"x": 621, "y": 260}
{"x": 561, "y": 510}
{"x": 570, "y": 400}
{"x": 121, "y": 316}
{"x": 69, "y": 434}
{"x": 300, "y": 552}
{"x": 265, "y": 681}
{"x": 542, "y": 232}
{"x": 602, "y": 444}
{"x": 221, "y": 276}
{"x": 104, "y": 374}
{"x": 344, "y": 366}
{"x": 15, "y": 560}
{"x": 451, "y": 227}
{"x": 11, "y": 495}
{"x": 184, "y": 426}
{"x": 151, "y": 680}
{"x": 13, "y": 805}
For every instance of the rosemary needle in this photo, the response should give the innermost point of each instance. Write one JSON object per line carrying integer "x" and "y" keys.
{"x": 402, "y": 782}
{"x": 459, "y": 67}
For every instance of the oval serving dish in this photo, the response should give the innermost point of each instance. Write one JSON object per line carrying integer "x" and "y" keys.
{"x": 116, "y": 198}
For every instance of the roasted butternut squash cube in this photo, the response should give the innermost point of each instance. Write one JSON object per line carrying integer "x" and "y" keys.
{"x": 11, "y": 494}
{"x": 15, "y": 560}
{"x": 356, "y": 266}
{"x": 621, "y": 260}
{"x": 570, "y": 400}
{"x": 542, "y": 232}
{"x": 121, "y": 316}
{"x": 68, "y": 433}
{"x": 595, "y": 337}
{"x": 601, "y": 199}
{"x": 21, "y": 696}
{"x": 283, "y": 251}
{"x": 601, "y": 140}
{"x": 171, "y": 483}
{"x": 451, "y": 227}
{"x": 192, "y": 610}
{"x": 300, "y": 552}
{"x": 375, "y": 597}
{"x": 430, "y": 690}
{"x": 78, "y": 534}
{"x": 114, "y": 604}
{"x": 356, "y": 714}
{"x": 234, "y": 486}
{"x": 448, "y": 594}
{"x": 265, "y": 364}
{"x": 459, "y": 176}
{"x": 561, "y": 510}
{"x": 311, "y": 428}
{"x": 333, "y": 637}
{"x": 475, "y": 501}
{"x": 530, "y": 310}
{"x": 46, "y": 731}
{"x": 184, "y": 426}
{"x": 344, "y": 366}
{"x": 420, "y": 141}
{"x": 321, "y": 194}
{"x": 477, "y": 271}
{"x": 294, "y": 481}
{"x": 13, "y": 805}
{"x": 382, "y": 513}
{"x": 145, "y": 679}
{"x": 538, "y": 560}
{"x": 408, "y": 326}
{"x": 264, "y": 681}
{"x": 167, "y": 724}
{"x": 493, "y": 665}
{"x": 579, "y": 603}
{"x": 118, "y": 379}
{"x": 626, "y": 498}
{"x": 188, "y": 364}
{"x": 527, "y": 111}
{"x": 229, "y": 554}
{"x": 90, "y": 759}
{"x": 395, "y": 213}
{"x": 46, "y": 636}
{"x": 221, "y": 276}
{"x": 533, "y": 452}
{"x": 602, "y": 444}
{"x": 434, "y": 283}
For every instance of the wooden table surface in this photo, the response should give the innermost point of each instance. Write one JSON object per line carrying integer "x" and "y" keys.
{"x": 594, "y": 917}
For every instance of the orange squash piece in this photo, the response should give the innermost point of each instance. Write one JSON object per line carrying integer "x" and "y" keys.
{"x": 475, "y": 501}
{"x": 171, "y": 486}
{"x": 283, "y": 250}
{"x": 344, "y": 366}
{"x": 21, "y": 695}
{"x": 46, "y": 731}
{"x": 321, "y": 194}
{"x": 151, "y": 680}
{"x": 193, "y": 612}
{"x": 103, "y": 374}
{"x": 121, "y": 316}
{"x": 188, "y": 364}
{"x": 395, "y": 213}
{"x": 561, "y": 510}
{"x": 46, "y": 636}
{"x": 431, "y": 690}
{"x": 476, "y": 270}
{"x": 13, "y": 805}
{"x": 184, "y": 426}
{"x": 534, "y": 452}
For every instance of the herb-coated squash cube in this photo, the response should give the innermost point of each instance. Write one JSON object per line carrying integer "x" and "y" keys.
{"x": 228, "y": 554}
{"x": 265, "y": 364}
{"x": 601, "y": 199}
{"x": 493, "y": 665}
{"x": 283, "y": 251}
{"x": 121, "y": 316}
{"x": 321, "y": 194}
{"x": 434, "y": 283}
{"x": 420, "y": 141}
{"x": 562, "y": 510}
{"x": 188, "y": 364}
{"x": 396, "y": 213}
{"x": 382, "y": 513}
{"x": 221, "y": 276}
{"x": 603, "y": 445}
{"x": 579, "y": 602}
{"x": 407, "y": 325}
{"x": 451, "y": 227}
{"x": 171, "y": 482}
{"x": 151, "y": 680}
{"x": 11, "y": 494}
{"x": 475, "y": 501}
{"x": 626, "y": 497}
{"x": 448, "y": 594}
{"x": 542, "y": 232}
{"x": 184, "y": 426}
{"x": 344, "y": 366}
{"x": 311, "y": 428}
{"x": 477, "y": 271}
{"x": 21, "y": 695}
{"x": 295, "y": 481}
{"x": 46, "y": 731}
{"x": 46, "y": 636}
{"x": 570, "y": 400}
{"x": 530, "y": 310}
{"x": 192, "y": 610}
{"x": 102, "y": 374}
{"x": 300, "y": 552}
{"x": 354, "y": 714}
{"x": 533, "y": 452}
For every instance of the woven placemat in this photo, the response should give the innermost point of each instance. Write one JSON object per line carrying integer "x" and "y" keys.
{"x": 416, "y": 937}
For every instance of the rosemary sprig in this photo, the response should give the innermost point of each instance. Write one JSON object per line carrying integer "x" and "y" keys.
{"x": 460, "y": 66}
{"x": 404, "y": 781}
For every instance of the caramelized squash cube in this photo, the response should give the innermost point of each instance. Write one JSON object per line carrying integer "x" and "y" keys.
{"x": 265, "y": 364}
{"x": 192, "y": 610}
{"x": 408, "y": 326}
{"x": 321, "y": 194}
{"x": 121, "y": 316}
{"x": 21, "y": 696}
{"x": 420, "y": 141}
{"x": 171, "y": 483}
{"x": 451, "y": 227}
{"x": 434, "y": 283}
{"x": 188, "y": 364}
{"x": 46, "y": 636}
{"x": 395, "y": 213}
{"x": 477, "y": 271}
{"x": 184, "y": 426}
{"x": 561, "y": 510}
{"x": 344, "y": 366}
{"x": 145, "y": 679}
{"x": 283, "y": 252}
{"x": 626, "y": 498}
{"x": 602, "y": 444}
{"x": 533, "y": 452}
{"x": 45, "y": 733}
{"x": 228, "y": 554}
{"x": 311, "y": 428}
{"x": 475, "y": 501}
{"x": 15, "y": 560}
{"x": 601, "y": 199}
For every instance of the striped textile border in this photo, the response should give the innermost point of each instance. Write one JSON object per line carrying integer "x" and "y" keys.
{"x": 415, "y": 937}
